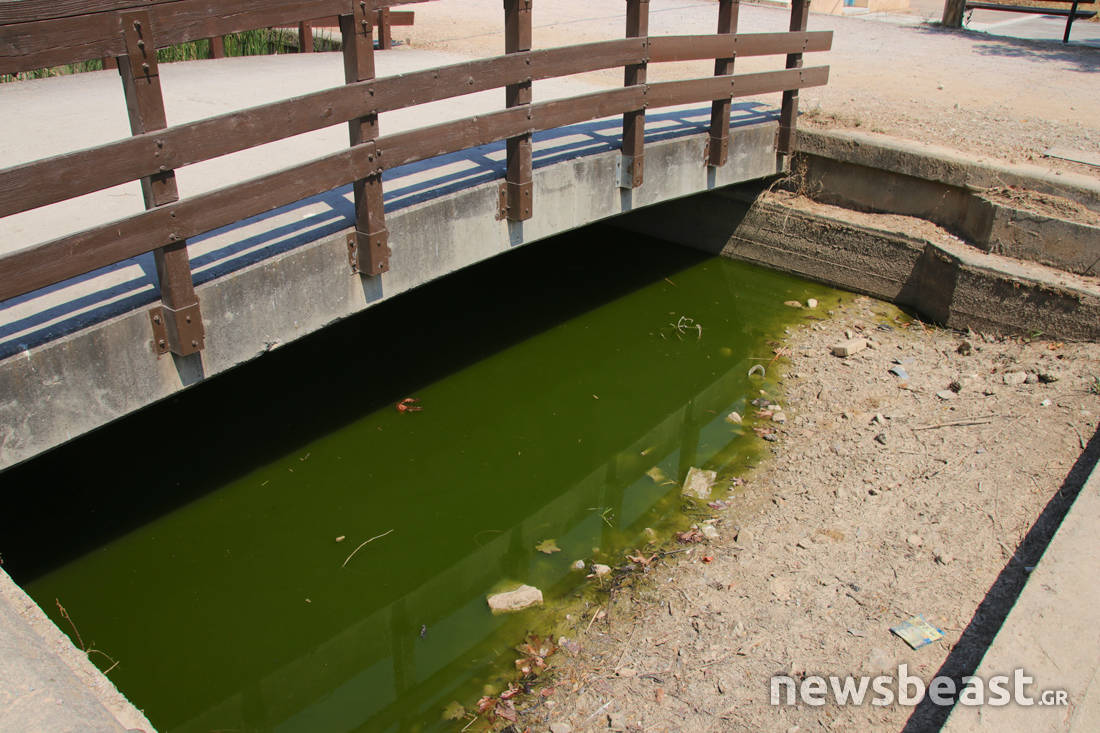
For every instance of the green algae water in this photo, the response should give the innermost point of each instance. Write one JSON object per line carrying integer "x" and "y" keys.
{"x": 206, "y": 545}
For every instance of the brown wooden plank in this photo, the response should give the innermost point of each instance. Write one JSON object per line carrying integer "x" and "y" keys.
{"x": 58, "y": 260}
{"x": 788, "y": 110}
{"x": 633, "y": 145}
{"x": 305, "y": 37}
{"x": 65, "y": 176}
{"x": 672, "y": 93}
{"x": 690, "y": 48}
{"x": 41, "y": 44}
{"x": 519, "y": 189}
{"x": 26, "y": 11}
{"x": 145, "y": 107}
{"x": 718, "y": 146}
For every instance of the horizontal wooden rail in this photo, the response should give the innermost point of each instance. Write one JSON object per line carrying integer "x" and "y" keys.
{"x": 27, "y": 11}
{"x": 65, "y": 176}
{"x": 692, "y": 48}
{"x": 73, "y": 255}
{"x": 38, "y": 44}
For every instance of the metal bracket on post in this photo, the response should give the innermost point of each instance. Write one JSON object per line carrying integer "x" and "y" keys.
{"x": 629, "y": 171}
{"x": 182, "y": 328}
{"x": 369, "y": 253}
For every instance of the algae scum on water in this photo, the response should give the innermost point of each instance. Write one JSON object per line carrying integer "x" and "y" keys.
{"x": 282, "y": 548}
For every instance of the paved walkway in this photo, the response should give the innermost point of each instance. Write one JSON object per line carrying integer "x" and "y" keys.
{"x": 1053, "y": 633}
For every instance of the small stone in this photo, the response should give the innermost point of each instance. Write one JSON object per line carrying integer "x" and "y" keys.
{"x": 804, "y": 544}
{"x": 733, "y": 418}
{"x": 989, "y": 391}
{"x": 627, "y": 672}
{"x": 955, "y": 386}
{"x": 600, "y": 570}
{"x": 879, "y": 418}
{"x": 698, "y": 483}
{"x": 560, "y": 727}
{"x": 522, "y": 597}
{"x": 770, "y": 437}
{"x": 1031, "y": 379}
{"x": 779, "y": 417}
{"x": 849, "y": 335}
{"x": 709, "y": 531}
{"x": 1045, "y": 378}
{"x": 1045, "y": 403}
{"x": 744, "y": 537}
{"x": 811, "y": 303}
{"x": 848, "y": 347}
{"x": 792, "y": 303}
{"x": 1013, "y": 379}
{"x": 881, "y": 438}
{"x": 616, "y": 721}
{"x": 899, "y": 372}
{"x": 944, "y": 558}
{"x": 946, "y": 394}
{"x": 965, "y": 348}
{"x": 914, "y": 540}
{"x": 578, "y": 565}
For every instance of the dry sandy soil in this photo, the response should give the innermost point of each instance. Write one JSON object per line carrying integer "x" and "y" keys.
{"x": 883, "y": 498}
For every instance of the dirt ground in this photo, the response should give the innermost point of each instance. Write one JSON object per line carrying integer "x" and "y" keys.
{"x": 884, "y": 497}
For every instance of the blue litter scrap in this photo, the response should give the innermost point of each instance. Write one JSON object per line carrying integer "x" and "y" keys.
{"x": 917, "y": 632}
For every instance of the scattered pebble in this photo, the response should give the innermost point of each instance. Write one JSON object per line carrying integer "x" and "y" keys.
{"x": 522, "y": 597}
{"x": 899, "y": 372}
{"x": 946, "y": 394}
{"x": 578, "y": 565}
{"x": 734, "y": 418}
{"x": 811, "y": 303}
{"x": 600, "y": 570}
{"x": 914, "y": 540}
{"x": 965, "y": 348}
{"x": 698, "y": 483}
{"x": 849, "y": 347}
{"x": 1047, "y": 378}
{"x": 1031, "y": 379}
{"x": 1045, "y": 403}
{"x": 792, "y": 303}
{"x": 560, "y": 727}
{"x": 881, "y": 438}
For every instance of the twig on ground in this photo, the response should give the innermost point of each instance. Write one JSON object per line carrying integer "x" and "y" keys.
{"x": 985, "y": 420}
{"x": 364, "y": 544}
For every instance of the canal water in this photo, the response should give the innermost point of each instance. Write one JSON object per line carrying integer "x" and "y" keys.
{"x": 210, "y": 549}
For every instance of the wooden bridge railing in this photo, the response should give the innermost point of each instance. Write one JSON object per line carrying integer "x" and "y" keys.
{"x": 37, "y": 33}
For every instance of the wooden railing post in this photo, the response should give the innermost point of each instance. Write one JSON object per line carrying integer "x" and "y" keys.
{"x": 518, "y": 188}
{"x": 718, "y": 148}
{"x": 633, "y": 163}
{"x": 368, "y": 245}
{"x": 788, "y": 114}
{"x": 305, "y": 37}
{"x": 217, "y": 47}
{"x": 177, "y": 322}
{"x": 385, "y": 30}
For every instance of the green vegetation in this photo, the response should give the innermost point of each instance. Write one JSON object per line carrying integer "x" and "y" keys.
{"x": 248, "y": 43}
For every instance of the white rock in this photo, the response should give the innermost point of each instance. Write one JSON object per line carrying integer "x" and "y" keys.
{"x": 1014, "y": 378}
{"x": 600, "y": 570}
{"x": 811, "y": 303}
{"x": 522, "y": 597}
{"x": 698, "y": 483}
{"x": 733, "y": 418}
{"x": 945, "y": 395}
{"x": 779, "y": 417}
{"x": 848, "y": 347}
{"x": 709, "y": 531}
{"x": 578, "y": 565}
